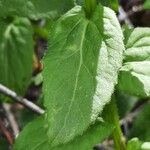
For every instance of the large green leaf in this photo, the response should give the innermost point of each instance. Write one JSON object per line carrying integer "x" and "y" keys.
{"x": 34, "y": 137}
{"x": 80, "y": 70}
{"x": 16, "y": 52}
{"x": 134, "y": 76}
{"x": 34, "y": 9}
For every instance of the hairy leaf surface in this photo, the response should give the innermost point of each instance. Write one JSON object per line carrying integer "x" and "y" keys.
{"x": 137, "y": 45}
{"x": 34, "y": 137}
{"x": 80, "y": 71}
{"x": 134, "y": 76}
{"x": 34, "y": 9}
{"x": 16, "y": 52}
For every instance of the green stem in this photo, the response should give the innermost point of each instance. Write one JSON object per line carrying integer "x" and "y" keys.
{"x": 90, "y": 6}
{"x": 113, "y": 118}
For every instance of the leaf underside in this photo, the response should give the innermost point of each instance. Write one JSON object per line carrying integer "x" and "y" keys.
{"x": 134, "y": 76}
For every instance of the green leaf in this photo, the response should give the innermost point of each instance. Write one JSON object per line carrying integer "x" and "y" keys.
{"x": 127, "y": 31}
{"x": 141, "y": 124}
{"x": 125, "y": 103}
{"x": 134, "y": 144}
{"x": 136, "y": 69}
{"x": 134, "y": 78}
{"x": 34, "y": 137}
{"x": 34, "y": 9}
{"x": 79, "y": 2}
{"x": 3, "y": 143}
{"x": 24, "y": 117}
{"x": 145, "y": 146}
{"x": 94, "y": 135}
{"x": 113, "y": 4}
{"x": 137, "y": 45}
{"x": 80, "y": 70}
{"x": 146, "y": 4}
{"x": 16, "y": 52}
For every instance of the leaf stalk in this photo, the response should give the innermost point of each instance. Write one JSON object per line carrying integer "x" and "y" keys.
{"x": 90, "y": 6}
{"x": 113, "y": 118}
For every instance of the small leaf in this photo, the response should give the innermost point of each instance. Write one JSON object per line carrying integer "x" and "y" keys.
{"x": 113, "y": 4}
{"x": 145, "y": 146}
{"x": 34, "y": 9}
{"x": 16, "y": 52}
{"x": 134, "y": 76}
{"x": 134, "y": 144}
{"x": 34, "y": 137}
{"x": 140, "y": 127}
{"x": 137, "y": 45}
{"x": 80, "y": 71}
{"x": 147, "y": 4}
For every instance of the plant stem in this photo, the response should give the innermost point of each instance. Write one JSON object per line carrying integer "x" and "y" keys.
{"x": 6, "y": 91}
{"x": 90, "y": 6}
{"x": 111, "y": 115}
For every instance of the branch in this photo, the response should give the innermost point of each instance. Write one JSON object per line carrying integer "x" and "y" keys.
{"x": 123, "y": 16}
{"x": 130, "y": 117}
{"x": 5, "y": 132}
{"x": 4, "y": 90}
{"x": 11, "y": 119}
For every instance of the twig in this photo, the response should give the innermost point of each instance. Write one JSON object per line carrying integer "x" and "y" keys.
{"x": 123, "y": 16}
{"x": 135, "y": 9}
{"x": 129, "y": 118}
{"x": 6, "y": 132}
{"x": 11, "y": 119}
{"x": 4, "y": 90}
